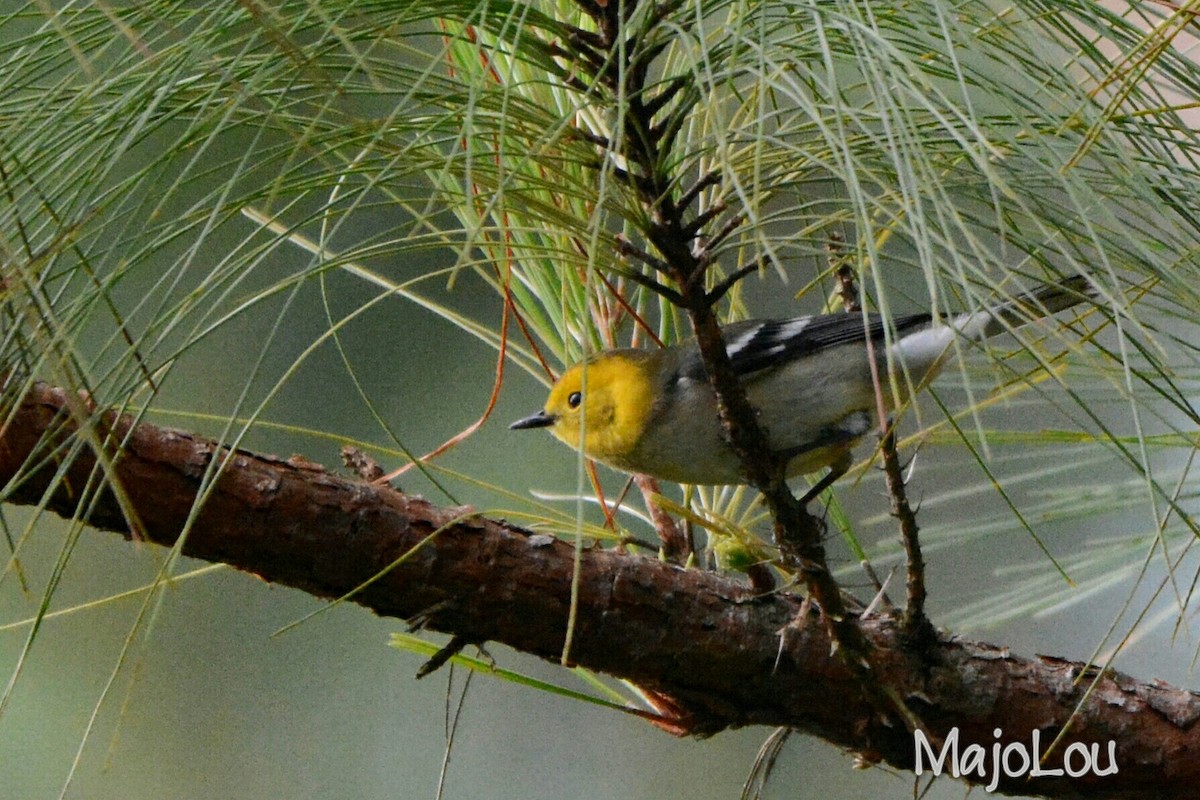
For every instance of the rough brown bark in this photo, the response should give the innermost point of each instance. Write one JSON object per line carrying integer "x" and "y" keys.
{"x": 727, "y": 657}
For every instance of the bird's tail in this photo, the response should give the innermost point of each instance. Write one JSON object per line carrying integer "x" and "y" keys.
{"x": 923, "y": 351}
{"x": 1042, "y": 302}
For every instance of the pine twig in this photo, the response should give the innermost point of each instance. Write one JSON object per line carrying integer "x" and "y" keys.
{"x": 916, "y": 624}
{"x": 729, "y": 281}
{"x": 798, "y": 534}
{"x": 675, "y": 545}
{"x": 689, "y": 196}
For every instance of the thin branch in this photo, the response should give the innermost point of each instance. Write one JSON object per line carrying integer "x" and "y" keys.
{"x": 664, "y": 133}
{"x": 628, "y": 248}
{"x": 916, "y": 624}
{"x": 708, "y": 215}
{"x": 651, "y": 284}
{"x": 664, "y": 96}
{"x": 643, "y": 59}
{"x": 676, "y": 547}
{"x": 707, "y": 181}
{"x": 729, "y": 281}
{"x": 798, "y": 534}
{"x": 731, "y": 225}
{"x": 582, "y": 49}
{"x": 589, "y": 38}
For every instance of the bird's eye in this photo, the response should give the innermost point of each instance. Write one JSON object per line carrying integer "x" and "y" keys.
{"x": 574, "y": 399}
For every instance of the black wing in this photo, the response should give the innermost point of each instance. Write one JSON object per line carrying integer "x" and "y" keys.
{"x": 758, "y": 344}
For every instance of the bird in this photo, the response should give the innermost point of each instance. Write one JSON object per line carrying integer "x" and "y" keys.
{"x": 809, "y": 380}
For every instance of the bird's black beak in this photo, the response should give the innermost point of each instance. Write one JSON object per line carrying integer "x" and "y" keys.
{"x": 538, "y": 420}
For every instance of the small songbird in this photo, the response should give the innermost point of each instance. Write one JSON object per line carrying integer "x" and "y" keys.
{"x": 654, "y": 412}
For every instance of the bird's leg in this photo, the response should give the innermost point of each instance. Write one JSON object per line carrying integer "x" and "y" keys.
{"x": 836, "y": 470}
{"x": 840, "y": 436}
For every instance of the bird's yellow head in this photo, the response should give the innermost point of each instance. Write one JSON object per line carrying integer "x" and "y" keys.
{"x": 607, "y": 400}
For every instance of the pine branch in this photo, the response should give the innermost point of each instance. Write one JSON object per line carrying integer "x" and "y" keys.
{"x": 723, "y": 655}
{"x": 798, "y": 534}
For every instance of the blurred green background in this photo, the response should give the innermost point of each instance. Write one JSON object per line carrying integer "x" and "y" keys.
{"x": 196, "y": 694}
